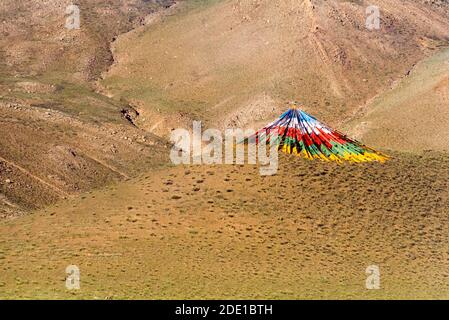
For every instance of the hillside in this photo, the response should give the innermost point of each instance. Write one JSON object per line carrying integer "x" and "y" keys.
{"x": 226, "y": 232}
{"x": 57, "y": 136}
{"x": 35, "y": 41}
{"x": 85, "y": 177}
{"x": 233, "y": 63}
{"x": 414, "y": 115}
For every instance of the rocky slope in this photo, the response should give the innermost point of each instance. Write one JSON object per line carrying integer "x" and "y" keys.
{"x": 57, "y": 136}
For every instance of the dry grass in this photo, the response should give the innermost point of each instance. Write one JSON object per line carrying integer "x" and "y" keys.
{"x": 226, "y": 232}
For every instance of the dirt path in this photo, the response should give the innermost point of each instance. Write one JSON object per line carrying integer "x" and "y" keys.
{"x": 40, "y": 180}
{"x": 106, "y": 165}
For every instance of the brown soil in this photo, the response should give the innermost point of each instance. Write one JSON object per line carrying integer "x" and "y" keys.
{"x": 212, "y": 59}
{"x": 414, "y": 115}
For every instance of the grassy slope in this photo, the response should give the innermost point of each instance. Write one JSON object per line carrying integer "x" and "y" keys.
{"x": 308, "y": 232}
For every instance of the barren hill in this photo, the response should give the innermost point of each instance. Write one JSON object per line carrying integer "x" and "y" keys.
{"x": 35, "y": 41}
{"x": 57, "y": 136}
{"x": 414, "y": 115}
{"x": 235, "y": 62}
